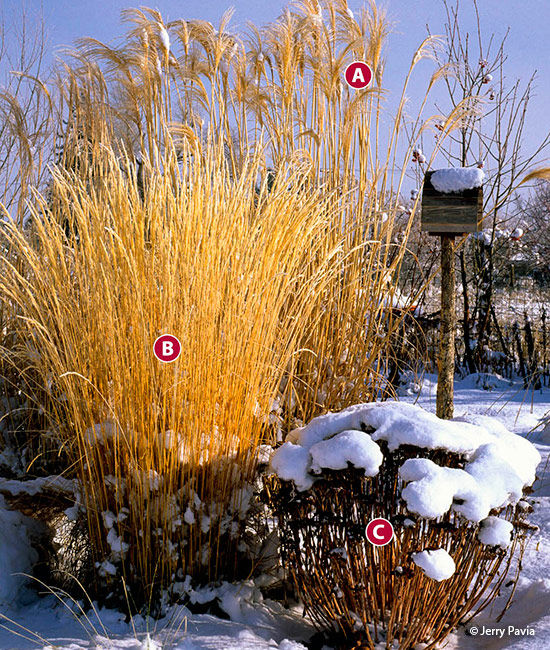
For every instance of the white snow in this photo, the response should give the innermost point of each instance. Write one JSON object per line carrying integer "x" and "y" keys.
{"x": 517, "y": 233}
{"x": 436, "y": 564}
{"x": 106, "y": 568}
{"x": 118, "y": 547}
{"x": 499, "y": 464}
{"x": 292, "y": 463}
{"x": 484, "y": 236}
{"x": 494, "y": 531}
{"x": 17, "y": 555}
{"x": 313, "y": 453}
{"x": 164, "y": 37}
{"x": 189, "y": 516}
{"x": 109, "y": 519}
{"x": 260, "y": 624}
{"x": 100, "y": 432}
{"x": 255, "y": 624}
{"x": 353, "y": 447}
{"x": 35, "y": 486}
{"x": 174, "y": 440}
{"x": 491, "y": 479}
{"x": 395, "y": 422}
{"x": 457, "y": 179}
{"x": 432, "y": 488}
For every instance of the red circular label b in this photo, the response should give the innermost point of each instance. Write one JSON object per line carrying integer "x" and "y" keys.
{"x": 167, "y": 348}
{"x": 379, "y": 532}
{"x": 358, "y": 75}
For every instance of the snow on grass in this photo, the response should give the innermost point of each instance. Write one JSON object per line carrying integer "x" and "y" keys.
{"x": 432, "y": 489}
{"x": 488, "y": 481}
{"x": 164, "y": 37}
{"x": 435, "y": 563}
{"x": 457, "y": 179}
{"x": 400, "y": 424}
{"x": 292, "y": 463}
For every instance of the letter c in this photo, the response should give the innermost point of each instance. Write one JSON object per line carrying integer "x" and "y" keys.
{"x": 375, "y": 534}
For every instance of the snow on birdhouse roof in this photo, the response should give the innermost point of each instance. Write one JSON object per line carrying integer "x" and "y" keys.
{"x": 457, "y": 179}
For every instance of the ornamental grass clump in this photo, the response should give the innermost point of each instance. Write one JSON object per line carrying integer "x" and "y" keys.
{"x": 453, "y": 493}
{"x": 232, "y": 191}
{"x": 164, "y": 452}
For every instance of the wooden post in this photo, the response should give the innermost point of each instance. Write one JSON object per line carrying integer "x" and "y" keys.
{"x": 449, "y": 214}
{"x": 446, "y": 359}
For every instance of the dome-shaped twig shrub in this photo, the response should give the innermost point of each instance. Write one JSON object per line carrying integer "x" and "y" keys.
{"x": 452, "y": 491}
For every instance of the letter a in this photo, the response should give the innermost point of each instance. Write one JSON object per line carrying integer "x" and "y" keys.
{"x": 358, "y": 76}
{"x": 167, "y": 348}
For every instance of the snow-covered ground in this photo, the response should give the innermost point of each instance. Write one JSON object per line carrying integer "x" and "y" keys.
{"x": 258, "y": 624}
{"x": 522, "y": 412}
{"x": 254, "y": 625}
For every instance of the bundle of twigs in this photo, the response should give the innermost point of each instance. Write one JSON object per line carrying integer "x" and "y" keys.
{"x": 360, "y": 594}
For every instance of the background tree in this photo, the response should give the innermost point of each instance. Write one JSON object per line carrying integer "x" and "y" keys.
{"x": 490, "y": 138}
{"x": 536, "y": 235}
{"x": 25, "y": 110}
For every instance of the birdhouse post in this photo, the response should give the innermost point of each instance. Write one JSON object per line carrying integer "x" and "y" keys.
{"x": 452, "y": 203}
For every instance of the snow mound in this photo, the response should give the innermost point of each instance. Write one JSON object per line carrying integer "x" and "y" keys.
{"x": 488, "y": 481}
{"x": 395, "y": 422}
{"x": 347, "y": 447}
{"x": 17, "y": 556}
{"x": 495, "y": 464}
{"x": 495, "y": 532}
{"x": 433, "y": 490}
{"x": 292, "y": 463}
{"x": 486, "y": 380}
{"x": 457, "y": 180}
{"x": 436, "y": 564}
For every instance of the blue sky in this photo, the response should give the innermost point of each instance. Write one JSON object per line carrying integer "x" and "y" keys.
{"x": 528, "y": 42}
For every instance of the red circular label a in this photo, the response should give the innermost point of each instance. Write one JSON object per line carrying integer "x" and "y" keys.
{"x": 379, "y": 532}
{"x": 358, "y": 75}
{"x": 167, "y": 348}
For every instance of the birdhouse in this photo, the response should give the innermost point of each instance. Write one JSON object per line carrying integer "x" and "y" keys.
{"x": 452, "y": 201}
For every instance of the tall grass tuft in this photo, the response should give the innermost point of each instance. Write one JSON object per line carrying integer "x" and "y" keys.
{"x": 204, "y": 257}
{"x": 232, "y": 191}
